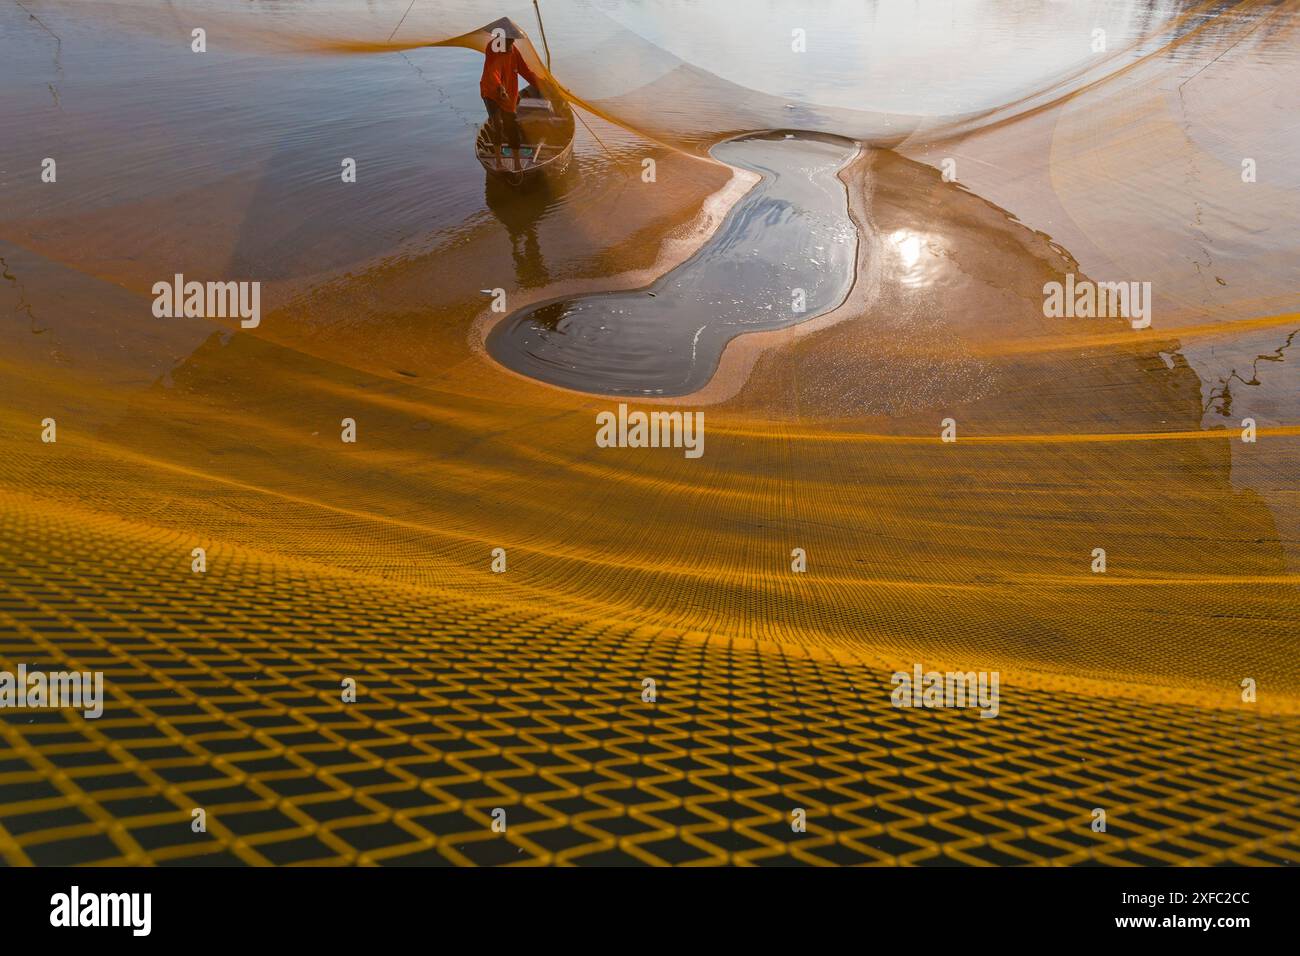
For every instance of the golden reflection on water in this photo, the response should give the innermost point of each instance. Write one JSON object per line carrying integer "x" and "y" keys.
{"x": 915, "y": 257}
{"x": 401, "y": 316}
{"x": 1072, "y": 436}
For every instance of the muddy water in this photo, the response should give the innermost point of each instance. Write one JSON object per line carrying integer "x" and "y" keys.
{"x": 1072, "y": 437}
{"x": 225, "y": 165}
{"x": 785, "y": 253}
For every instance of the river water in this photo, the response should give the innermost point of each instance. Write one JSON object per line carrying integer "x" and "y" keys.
{"x": 997, "y": 146}
{"x": 785, "y": 252}
{"x": 227, "y": 162}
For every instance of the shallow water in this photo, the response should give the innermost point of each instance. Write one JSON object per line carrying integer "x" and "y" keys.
{"x": 784, "y": 254}
{"x": 327, "y": 558}
{"x": 225, "y": 164}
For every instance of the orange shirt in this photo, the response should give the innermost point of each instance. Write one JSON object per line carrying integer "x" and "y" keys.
{"x": 503, "y": 69}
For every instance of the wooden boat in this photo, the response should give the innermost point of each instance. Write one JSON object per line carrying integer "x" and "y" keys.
{"x": 546, "y": 140}
{"x": 545, "y": 121}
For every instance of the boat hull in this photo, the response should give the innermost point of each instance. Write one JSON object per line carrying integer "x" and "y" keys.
{"x": 546, "y": 141}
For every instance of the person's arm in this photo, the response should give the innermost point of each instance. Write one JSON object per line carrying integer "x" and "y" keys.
{"x": 525, "y": 72}
{"x": 492, "y": 82}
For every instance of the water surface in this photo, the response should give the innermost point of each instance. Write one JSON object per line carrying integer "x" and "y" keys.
{"x": 784, "y": 254}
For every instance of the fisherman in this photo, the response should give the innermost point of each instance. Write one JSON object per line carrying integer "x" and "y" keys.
{"x": 502, "y": 66}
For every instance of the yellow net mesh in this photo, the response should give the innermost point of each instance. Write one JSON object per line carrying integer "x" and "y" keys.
{"x": 225, "y": 696}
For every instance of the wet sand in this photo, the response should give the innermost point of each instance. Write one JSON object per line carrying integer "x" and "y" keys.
{"x": 328, "y": 560}
{"x": 783, "y": 254}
